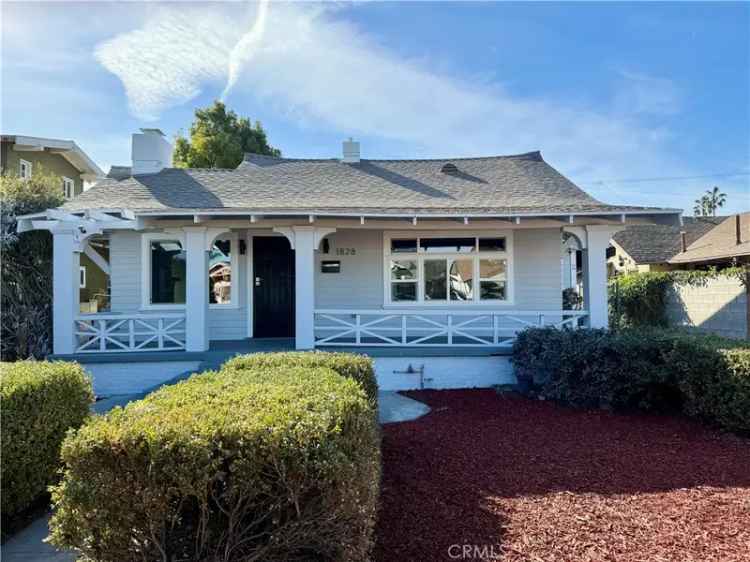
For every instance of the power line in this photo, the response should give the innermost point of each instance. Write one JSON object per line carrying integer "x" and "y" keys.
{"x": 665, "y": 178}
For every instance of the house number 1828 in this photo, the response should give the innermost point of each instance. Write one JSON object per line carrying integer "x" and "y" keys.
{"x": 346, "y": 251}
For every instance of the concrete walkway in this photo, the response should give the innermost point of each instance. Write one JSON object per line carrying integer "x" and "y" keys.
{"x": 394, "y": 407}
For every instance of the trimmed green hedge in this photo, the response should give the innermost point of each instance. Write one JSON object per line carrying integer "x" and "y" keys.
{"x": 349, "y": 365}
{"x": 40, "y": 402}
{"x": 706, "y": 377}
{"x": 274, "y": 464}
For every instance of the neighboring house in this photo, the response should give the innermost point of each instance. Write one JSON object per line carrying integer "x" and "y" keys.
{"x": 722, "y": 246}
{"x": 23, "y": 155}
{"x": 721, "y": 304}
{"x": 430, "y": 266}
{"x": 644, "y": 248}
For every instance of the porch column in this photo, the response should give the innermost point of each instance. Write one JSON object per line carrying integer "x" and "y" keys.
{"x": 304, "y": 289}
{"x": 595, "y": 274}
{"x": 65, "y": 290}
{"x": 196, "y": 289}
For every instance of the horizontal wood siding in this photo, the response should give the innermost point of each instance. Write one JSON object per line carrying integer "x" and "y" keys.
{"x": 125, "y": 268}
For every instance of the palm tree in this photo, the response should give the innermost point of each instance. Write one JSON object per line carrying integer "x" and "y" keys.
{"x": 715, "y": 199}
{"x": 707, "y": 205}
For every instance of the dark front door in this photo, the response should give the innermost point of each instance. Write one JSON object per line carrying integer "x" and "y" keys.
{"x": 273, "y": 292}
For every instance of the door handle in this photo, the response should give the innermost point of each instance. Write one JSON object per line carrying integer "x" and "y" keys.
{"x": 257, "y": 281}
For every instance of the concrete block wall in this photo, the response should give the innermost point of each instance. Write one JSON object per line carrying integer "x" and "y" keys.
{"x": 719, "y": 307}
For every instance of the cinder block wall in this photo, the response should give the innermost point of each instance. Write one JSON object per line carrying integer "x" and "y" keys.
{"x": 719, "y": 307}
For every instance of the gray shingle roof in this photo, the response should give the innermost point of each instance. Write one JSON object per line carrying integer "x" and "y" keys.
{"x": 523, "y": 183}
{"x": 658, "y": 243}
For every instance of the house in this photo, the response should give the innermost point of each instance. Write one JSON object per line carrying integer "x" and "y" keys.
{"x": 430, "y": 266}
{"x": 725, "y": 245}
{"x": 22, "y": 155}
{"x": 650, "y": 247}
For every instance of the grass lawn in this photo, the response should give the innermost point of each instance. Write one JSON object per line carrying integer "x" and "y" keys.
{"x": 516, "y": 479}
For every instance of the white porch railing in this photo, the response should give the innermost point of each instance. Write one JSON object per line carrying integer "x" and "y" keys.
{"x": 102, "y": 333}
{"x": 426, "y": 328}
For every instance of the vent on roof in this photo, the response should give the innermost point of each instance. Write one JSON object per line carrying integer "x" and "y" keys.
{"x": 449, "y": 168}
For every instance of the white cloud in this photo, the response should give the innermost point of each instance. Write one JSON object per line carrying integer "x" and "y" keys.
{"x": 307, "y": 63}
{"x": 168, "y": 60}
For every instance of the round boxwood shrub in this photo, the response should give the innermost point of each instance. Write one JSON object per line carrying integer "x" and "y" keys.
{"x": 349, "y": 365}
{"x": 275, "y": 465}
{"x": 40, "y": 402}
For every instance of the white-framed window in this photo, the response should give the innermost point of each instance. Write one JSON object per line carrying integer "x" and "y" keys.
{"x": 164, "y": 270}
{"x": 69, "y": 187}
{"x": 82, "y": 277}
{"x": 24, "y": 169}
{"x": 449, "y": 269}
{"x": 223, "y": 271}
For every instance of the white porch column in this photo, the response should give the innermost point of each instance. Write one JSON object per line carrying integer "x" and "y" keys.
{"x": 304, "y": 240}
{"x": 65, "y": 290}
{"x": 196, "y": 289}
{"x": 304, "y": 290}
{"x": 595, "y": 274}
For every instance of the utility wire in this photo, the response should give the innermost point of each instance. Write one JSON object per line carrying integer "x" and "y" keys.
{"x": 664, "y": 178}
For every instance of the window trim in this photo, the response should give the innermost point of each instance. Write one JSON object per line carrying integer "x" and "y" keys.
{"x": 29, "y": 167}
{"x": 146, "y": 240}
{"x": 234, "y": 252}
{"x": 67, "y": 181}
{"x": 420, "y": 256}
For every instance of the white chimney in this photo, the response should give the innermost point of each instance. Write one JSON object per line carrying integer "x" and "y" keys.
{"x": 151, "y": 152}
{"x": 351, "y": 151}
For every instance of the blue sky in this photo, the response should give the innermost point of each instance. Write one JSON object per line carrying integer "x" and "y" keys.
{"x": 612, "y": 93}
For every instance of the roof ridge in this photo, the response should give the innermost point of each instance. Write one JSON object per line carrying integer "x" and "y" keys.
{"x": 533, "y": 155}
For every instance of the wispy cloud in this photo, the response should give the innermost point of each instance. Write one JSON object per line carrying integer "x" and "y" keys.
{"x": 311, "y": 65}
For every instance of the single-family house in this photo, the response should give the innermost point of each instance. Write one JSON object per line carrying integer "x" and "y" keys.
{"x": 432, "y": 265}
{"x": 650, "y": 247}
{"x": 21, "y": 155}
{"x": 725, "y": 245}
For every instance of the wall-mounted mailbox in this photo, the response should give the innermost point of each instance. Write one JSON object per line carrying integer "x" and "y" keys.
{"x": 330, "y": 266}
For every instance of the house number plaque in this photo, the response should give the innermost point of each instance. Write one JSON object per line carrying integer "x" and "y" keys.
{"x": 346, "y": 251}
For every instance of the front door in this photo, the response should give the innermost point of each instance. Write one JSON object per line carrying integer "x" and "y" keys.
{"x": 273, "y": 287}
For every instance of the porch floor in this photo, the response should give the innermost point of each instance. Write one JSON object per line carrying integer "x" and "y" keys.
{"x": 220, "y": 351}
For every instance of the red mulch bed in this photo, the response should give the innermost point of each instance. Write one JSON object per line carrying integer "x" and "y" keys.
{"x": 530, "y": 480}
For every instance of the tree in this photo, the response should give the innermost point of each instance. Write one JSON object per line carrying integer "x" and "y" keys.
{"x": 707, "y": 205}
{"x": 219, "y": 139}
{"x": 26, "y": 280}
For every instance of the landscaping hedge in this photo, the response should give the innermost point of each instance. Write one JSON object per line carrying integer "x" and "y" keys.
{"x": 40, "y": 402}
{"x": 274, "y": 464}
{"x": 706, "y": 377}
{"x": 349, "y": 365}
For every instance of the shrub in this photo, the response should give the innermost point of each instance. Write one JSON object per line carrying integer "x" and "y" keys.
{"x": 40, "y": 402}
{"x": 26, "y": 291}
{"x": 706, "y": 377}
{"x": 275, "y": 465}
{"x": 349, "y": 365}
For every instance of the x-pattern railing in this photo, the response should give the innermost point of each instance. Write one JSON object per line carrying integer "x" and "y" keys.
{"x": 102, "y": 333}
{"x": 433, "y": 328}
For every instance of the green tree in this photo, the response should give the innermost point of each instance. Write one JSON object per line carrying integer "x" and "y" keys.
{"x": 26, "y": 287}
{"x": 219, "y": 139}
{"x": 709, "y": 203}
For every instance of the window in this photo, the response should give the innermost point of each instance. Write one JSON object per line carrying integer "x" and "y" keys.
{"x": 168, "y": 272}
{"x": 220, "y": 272}
{"x": 448, "y": 270}
{"x": 82, "y": 277}
{"x": 69, "y": 188}
{"x": 24, "y": 169}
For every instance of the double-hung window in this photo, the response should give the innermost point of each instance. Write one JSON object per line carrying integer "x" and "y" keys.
{"x": 448, "y": 270}
{"x": 69, "y": 188}
{"x": 24, "y": 169}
